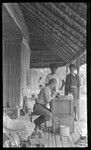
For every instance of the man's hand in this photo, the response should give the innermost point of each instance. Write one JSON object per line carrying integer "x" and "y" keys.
{"x": 53, "y": 93}
{"x": 57, "y": 95}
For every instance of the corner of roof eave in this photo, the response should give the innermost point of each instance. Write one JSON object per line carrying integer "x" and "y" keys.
{"x": 12, "y": 8}
{"x": 77, "y": 57}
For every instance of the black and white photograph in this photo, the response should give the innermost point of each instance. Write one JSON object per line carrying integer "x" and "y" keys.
{"x": 44, "y": 46}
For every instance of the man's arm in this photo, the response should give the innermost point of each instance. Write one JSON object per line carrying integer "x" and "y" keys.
{"x": 47, "y": 79}
{"x": 67, "y": 84}
{"x": 63, "y": 84}
{"x": 78, "y": 81}
{"x": 49, "y": 95}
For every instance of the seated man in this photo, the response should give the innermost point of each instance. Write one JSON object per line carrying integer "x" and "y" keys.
{"x": 44, "y": 97}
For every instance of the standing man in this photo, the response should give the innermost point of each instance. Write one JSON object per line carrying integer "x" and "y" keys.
{"x": 53, "y": 74}
{"x": 53, "y": 68}
{"x": 71, "y": 86}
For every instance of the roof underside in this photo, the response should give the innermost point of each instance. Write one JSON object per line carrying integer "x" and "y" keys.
{"x": 57, "y": 32}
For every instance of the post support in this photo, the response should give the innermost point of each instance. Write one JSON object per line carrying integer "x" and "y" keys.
{"x": 78, "y": 69}
{"x": 67, "y": 69}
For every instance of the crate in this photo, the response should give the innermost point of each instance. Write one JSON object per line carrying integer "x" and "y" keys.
{"x": 62, "y": 110}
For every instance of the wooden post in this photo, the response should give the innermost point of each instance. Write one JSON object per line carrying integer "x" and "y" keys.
{"x": 67, "y": 69}
{"x": 25, "y": 62}
{"x": 77, "y": 64}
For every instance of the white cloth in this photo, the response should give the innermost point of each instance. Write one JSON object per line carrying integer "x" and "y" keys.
{"x": 19, "y": 124}
{"x": 30, "y": 104}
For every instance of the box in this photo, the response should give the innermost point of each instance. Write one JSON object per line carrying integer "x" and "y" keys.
{"x": 62, "y": 111}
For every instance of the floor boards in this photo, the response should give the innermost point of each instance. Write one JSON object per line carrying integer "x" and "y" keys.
{"x": 58, "y": 141}
{"x": 71, "y": 142}
{"x": 46, "y": 138}
{"x": 65, "y": 142}
{"x": 55, "y": 140}
{"x": 50, "y": 140}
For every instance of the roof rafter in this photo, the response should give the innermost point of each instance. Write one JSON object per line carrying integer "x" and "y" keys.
{"x": 63, "y": 24}
{"x": 50, "y": 40}
{"x": 49, "y": 43}
{"x": 29, "y": 19}
{"x": 66, "y": 47}
{"x": 81, "y": 10}
{"x": 68, "y": 19}
{"x": 59, "y": 28}
{"x": 73, "y": 13}
{"x": 58, "y": 33}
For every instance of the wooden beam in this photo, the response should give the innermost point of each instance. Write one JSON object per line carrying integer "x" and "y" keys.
{"x": 44, "y": 65}
{"x": 45, "y": 62}
{"x": 67, "y": 69}
{"x": 77, "y": 64}
{"x": 17, "y": 16}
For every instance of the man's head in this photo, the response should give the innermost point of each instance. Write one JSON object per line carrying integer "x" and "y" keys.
{"x": 53, "y": 68}
{"x": 72, "y": 68}
{"x": 52, "y": 83}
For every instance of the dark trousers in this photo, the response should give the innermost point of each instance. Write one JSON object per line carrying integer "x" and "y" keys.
{"x": 74, "y": 92}
{"x": 45, "y": 114}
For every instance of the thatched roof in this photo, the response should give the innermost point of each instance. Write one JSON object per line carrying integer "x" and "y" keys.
{"x": 57, "y": 32}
